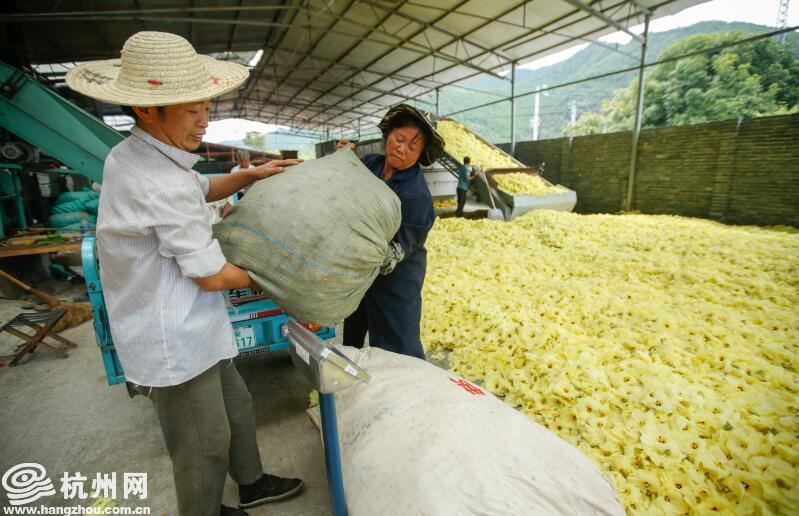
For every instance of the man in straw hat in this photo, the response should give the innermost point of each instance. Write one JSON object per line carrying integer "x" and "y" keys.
{"x": 163, "y": 272}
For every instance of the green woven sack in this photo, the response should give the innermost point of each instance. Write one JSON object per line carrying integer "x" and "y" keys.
{"x": 91, "y": 206}
{"x": 76, "y": 196}
{"x": 314, "y": 236}
{"x": 60, "y": 220}
{"x": 66, "y": 207}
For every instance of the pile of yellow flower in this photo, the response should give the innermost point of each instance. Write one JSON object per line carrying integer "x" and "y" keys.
{"x": 665, "y": 348}
{"x": 444, "y": 203}
{"x": 519, "y": 183}
{"x": 461, "y": 143}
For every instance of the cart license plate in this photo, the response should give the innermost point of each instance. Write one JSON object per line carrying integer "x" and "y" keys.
{"x": 245, "y": 338}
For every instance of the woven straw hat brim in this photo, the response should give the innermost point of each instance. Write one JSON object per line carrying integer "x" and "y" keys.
{"x": 98, "y": 80}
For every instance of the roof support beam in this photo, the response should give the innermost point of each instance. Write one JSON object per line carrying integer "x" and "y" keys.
{"x": 512, "y": 109}
{"x": 507, "y": 11}
{"x": 351, "y": 85}
{"x": 116, "y": 12}
{"x": 260, "y": 67}
{"x": 505, "y": 44}
{"x": 233, "y": 28}
{"x": 610, "y": 21}
{"x": 384, "y": 54}
{"x": 438, "y": 28}
{"x": 310, "y": 52}
{"x": 629, "y": 201}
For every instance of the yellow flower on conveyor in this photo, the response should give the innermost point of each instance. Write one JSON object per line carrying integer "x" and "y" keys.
{"x": 665, "y": 348}
{"x": 519, "y": 183}
{"x": 461, "y": 143}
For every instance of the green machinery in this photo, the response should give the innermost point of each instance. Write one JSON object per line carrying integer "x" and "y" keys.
{"x": 46, "y": 120}
{"x": 11, "y": 192}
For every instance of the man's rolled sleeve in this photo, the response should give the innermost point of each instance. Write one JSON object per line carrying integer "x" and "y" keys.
{"x": 184, "y": 231}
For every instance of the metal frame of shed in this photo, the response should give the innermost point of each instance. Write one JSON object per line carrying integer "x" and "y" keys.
{"x": 339, "y": 64}
{"x": 330, "y": 64}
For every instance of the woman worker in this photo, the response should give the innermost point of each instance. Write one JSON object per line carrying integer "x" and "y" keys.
{"x": 392, "y": 307}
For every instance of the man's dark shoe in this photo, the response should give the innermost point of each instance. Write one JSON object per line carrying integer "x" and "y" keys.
{"x": 268, "y": 489}
{"x": 231, "y": 511}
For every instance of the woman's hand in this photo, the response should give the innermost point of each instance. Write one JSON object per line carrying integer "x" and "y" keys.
{"x": 343, "y": 143}
{"x": 273, "y": 167}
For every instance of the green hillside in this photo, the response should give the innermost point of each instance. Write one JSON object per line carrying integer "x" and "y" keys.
{"x": 493, "y": 123}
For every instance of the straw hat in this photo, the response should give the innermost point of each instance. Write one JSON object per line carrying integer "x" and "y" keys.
{"x": 156, "y": 69}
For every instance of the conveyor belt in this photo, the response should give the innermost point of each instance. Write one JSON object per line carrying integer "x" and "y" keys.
{"x": 45, "y": 119}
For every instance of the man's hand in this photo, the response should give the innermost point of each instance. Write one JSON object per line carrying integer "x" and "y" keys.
{"x": 273, "y": 167}
{"x": 254, "y": 286}
{"x": 229, "y": 277}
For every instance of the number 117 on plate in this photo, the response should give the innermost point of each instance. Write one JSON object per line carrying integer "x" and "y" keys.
{"x": 245, "y": 337}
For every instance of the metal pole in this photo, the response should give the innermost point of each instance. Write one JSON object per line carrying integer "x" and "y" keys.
{"x": 438, "y": 106}
{"x": 513, "y": 109}
{"x": 629, "y": 202}
{"x": 335, "y": 481}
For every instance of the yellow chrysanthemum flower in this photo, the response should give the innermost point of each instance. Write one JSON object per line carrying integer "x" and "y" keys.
{"x": 665, "y": 348}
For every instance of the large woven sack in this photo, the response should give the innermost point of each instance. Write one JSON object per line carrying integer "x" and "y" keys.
{"x": 314, "y": 236}
{"x": 420, "y": 440}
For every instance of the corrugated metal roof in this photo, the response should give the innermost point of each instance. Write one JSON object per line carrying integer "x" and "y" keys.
{"x": 331, "y": 63}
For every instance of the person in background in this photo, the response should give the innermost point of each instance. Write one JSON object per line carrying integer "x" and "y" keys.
{"x": 244, "y": 160}
{"x": 223, "y": 208}
{"x": 391, "y": 310}
{"x": 465, "y": 177}
{"x": 244, "y": 164}
{"x": 164, "y": 275}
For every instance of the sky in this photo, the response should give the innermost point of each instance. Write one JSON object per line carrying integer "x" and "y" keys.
{"x": 762, "y": 12}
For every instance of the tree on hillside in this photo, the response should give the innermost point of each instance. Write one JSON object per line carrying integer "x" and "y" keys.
{"x": 255, "y": 140}
{"x": 749, "y": 80}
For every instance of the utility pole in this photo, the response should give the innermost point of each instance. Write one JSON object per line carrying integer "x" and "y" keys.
{"x": 782, "y": 19}
{"x": 573, "y": 112}
{"x": 536, "y": 122}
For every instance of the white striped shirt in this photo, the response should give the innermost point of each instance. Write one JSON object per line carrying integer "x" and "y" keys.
{"x": 153, "y": 237}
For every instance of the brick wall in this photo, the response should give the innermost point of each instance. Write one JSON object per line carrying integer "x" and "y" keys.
{"x": 739, "y": 173}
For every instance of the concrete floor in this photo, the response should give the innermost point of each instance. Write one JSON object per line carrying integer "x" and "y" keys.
{"x": 62, "y": 414}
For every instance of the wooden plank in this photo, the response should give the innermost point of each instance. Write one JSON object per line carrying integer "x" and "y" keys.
{"x": 25, "y": 250}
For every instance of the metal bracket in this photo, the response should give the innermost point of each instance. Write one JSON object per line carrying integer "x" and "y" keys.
{"x": 11, "y": 86}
